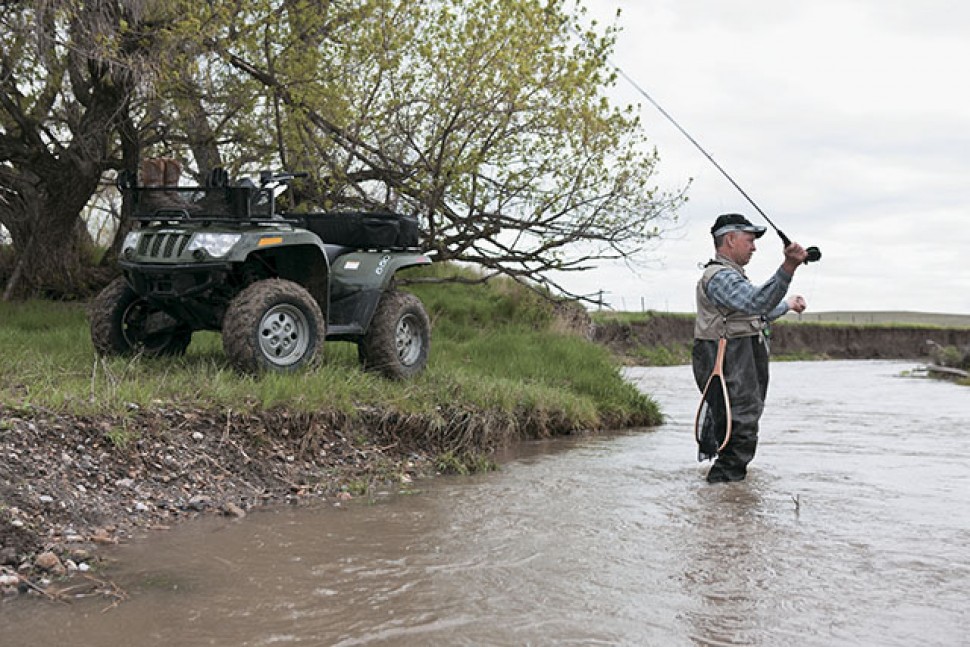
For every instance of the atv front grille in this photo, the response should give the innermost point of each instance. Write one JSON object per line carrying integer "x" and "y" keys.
{"x": 163, "y": 245}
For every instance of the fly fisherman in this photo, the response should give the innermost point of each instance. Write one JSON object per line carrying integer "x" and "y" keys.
{"x": 730, "y": 306}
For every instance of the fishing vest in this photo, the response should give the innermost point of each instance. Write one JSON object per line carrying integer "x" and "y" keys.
{"x": 714, "y": 322}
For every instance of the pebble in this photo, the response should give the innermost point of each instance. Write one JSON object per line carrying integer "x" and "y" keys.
{"x": 48, "y": 561}
{"x": 44, "y": 498}
{"x": 101, "y": 536}
{"x": 8, "y": 556}
{"x": 232, "y": 510}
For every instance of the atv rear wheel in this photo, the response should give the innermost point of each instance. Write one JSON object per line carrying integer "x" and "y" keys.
{"x": 123, "y": 323}
{"x": 273, "y": 325}
{"x": 399, "y": 339}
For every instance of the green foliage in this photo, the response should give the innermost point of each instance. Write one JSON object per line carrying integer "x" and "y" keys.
{"x": 451, "y": 462}
{"x": 951, "y": 356}
{"x": 674, "y": 355}
{"x": 120, "y": 437}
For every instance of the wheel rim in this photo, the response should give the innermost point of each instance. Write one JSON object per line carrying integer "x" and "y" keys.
{"x": 408, "y": 340}
{"x": 284, "y": 335}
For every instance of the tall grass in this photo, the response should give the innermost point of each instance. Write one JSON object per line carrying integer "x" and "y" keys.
{"x": 494, "y": 347}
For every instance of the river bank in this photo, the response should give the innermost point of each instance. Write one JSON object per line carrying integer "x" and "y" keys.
{"x": 71, "y": 484}
{"x": 73, "y": 479}
{"x": 98, "y": 451}
{"x": 636, "y": 339}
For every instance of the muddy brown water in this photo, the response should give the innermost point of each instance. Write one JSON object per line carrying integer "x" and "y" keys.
{"x": 853, "y": 529}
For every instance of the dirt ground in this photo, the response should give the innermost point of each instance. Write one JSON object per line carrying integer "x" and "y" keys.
{"x": 69, "y": 484}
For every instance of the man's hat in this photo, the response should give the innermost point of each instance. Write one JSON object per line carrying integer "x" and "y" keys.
{"x": 735, "y": 222}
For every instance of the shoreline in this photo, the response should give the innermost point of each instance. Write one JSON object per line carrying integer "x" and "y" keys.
{"x": 72, "y": 484}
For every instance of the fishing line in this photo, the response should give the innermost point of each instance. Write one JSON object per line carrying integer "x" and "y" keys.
{"x": 814, "y": 253}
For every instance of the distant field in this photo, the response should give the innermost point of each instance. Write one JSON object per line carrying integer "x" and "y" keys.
{"x": 860, "y": 318}
{"x": 882, "y": 318}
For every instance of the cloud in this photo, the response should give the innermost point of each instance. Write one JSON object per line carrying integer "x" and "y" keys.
{"x": 845, "y": 121}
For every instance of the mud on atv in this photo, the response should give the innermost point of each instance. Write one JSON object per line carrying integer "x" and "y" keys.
{"x": 276, "y": 285}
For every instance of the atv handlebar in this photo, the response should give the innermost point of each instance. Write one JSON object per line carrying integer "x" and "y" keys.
{"x": 268, "y": 177}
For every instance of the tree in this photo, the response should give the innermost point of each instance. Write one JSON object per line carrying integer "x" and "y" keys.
{"x": 62, "y": 98}
{"x": 488, "y": 118}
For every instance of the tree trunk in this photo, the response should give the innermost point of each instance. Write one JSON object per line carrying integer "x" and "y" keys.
{"x": 52, "y": 244}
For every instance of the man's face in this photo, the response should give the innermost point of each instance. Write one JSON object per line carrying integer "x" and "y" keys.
{"x": 739, "y": 246}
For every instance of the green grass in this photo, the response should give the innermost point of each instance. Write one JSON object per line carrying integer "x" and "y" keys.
{"x": 673, "y": 355}
{"x": 894, "y": 318}
{"x": 608, "y": 316}
{"x": 495, "y": 347}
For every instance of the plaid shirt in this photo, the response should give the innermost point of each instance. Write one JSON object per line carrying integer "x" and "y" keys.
{"x": 732, "y": 291}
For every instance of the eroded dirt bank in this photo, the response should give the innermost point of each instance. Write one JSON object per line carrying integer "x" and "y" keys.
{"x": 69, "y": 484}
{"x": 832, "y": 341}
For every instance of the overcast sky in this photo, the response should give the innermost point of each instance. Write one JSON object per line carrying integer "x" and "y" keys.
{"x": 847, "y": 121}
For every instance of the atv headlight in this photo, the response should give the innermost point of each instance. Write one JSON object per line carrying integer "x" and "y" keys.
{"x": 130, "y": 246}
{"x": 216, "y": 245}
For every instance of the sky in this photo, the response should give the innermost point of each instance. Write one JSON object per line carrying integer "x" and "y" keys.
{"x": 846, "y": 121}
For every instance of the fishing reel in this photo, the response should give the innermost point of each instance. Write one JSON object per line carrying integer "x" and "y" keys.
{"x": 814, "y": 253}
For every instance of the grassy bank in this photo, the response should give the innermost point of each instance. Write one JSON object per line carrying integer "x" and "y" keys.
{"x": 107, "y": 450}
{"x": 659, "y": 339}
{"x": 497, "y": 353}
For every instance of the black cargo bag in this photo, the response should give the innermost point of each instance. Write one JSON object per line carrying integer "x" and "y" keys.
{"x": 364, "y": 230}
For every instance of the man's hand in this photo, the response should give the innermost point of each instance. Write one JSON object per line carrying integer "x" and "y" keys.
{"x": 797, "y": 303}
{"x": 795, "y": 255}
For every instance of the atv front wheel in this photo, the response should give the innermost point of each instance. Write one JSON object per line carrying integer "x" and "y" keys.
{"x": 399, "y": 339}
{"x": 273, "y": 325}
{"x": 123, "y": 323}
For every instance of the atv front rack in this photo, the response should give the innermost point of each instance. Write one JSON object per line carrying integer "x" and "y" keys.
{"x": 237, "y": 204}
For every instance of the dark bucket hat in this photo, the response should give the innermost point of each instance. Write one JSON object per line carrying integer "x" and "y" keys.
{"x": 729, "y": 222}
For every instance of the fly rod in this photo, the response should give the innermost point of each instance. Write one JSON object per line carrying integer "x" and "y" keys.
{"x": 814, "y": 253}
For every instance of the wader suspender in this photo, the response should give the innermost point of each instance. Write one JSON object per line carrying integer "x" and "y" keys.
{"x": 715, "y": 382}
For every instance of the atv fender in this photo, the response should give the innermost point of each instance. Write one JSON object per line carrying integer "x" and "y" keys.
{"x": 358, "y": 279}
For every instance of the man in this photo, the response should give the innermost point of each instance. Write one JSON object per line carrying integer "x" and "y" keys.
{"x": 730, "y": 306}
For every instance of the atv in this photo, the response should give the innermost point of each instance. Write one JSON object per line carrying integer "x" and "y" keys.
{"x": 276, "y": 284}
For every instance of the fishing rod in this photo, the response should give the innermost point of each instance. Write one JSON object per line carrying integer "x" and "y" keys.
{"x": 814, "y": 253}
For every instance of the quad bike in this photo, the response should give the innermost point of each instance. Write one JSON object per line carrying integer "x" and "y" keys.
{"x": 219, "y": 257}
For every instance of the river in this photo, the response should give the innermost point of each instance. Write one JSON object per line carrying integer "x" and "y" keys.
{"x": 852, "y": 529}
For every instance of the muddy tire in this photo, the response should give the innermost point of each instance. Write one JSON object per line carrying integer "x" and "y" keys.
{"x": 273, "y": 325}
{"x": 123, "y": 323}
{"x": 398, "y": 342}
